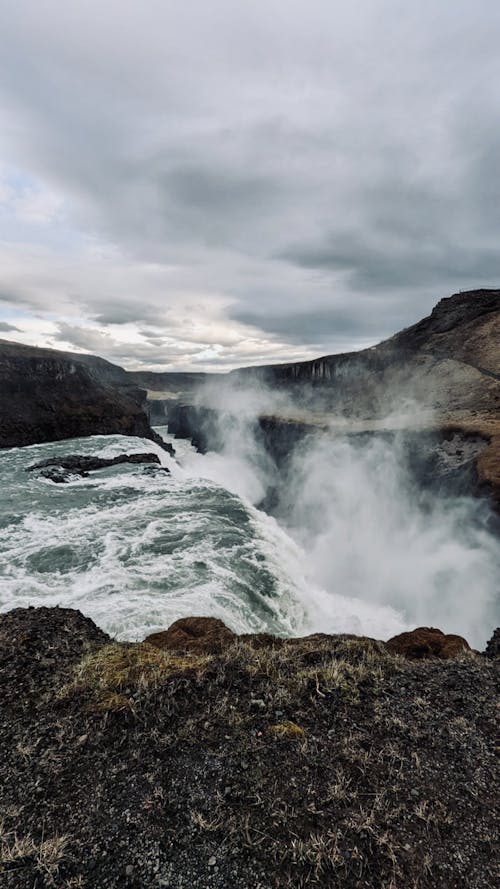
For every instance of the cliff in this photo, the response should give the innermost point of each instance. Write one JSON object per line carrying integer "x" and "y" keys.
{"x": 438, "y": 377}
{"x": 47, "y": 395}
{"x": 256, "y": 762}
{"x": 168, "y": 382}
{"x": 464, "y": 327}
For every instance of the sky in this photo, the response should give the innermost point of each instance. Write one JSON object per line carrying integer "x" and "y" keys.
{"x": 208, "y": 185}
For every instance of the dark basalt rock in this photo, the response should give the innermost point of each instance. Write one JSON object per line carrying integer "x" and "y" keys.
{"x": 126, "y": 766}
{"x": 38, "y": 643}
{"x": 77, "y": 464}
{"x": 493, "y": 646}
{"x": 426, "y": 642}
{"x": 47, "y": 395}
{"x": 62, "y": 469}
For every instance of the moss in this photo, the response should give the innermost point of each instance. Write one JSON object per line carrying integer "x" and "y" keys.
{"x": 287, "y": 730}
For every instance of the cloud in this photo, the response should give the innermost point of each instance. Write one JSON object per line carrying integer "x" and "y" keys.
{"x": 132, "y": 349}
{"x": 293, "y": 176}
{"x": 5, "y": 327}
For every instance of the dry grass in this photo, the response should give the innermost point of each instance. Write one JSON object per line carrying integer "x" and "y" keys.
{"x": 315, "y": 664}
{"x": 45, "y": 856}
{"x": 319, "y": 850}
{"x": 119, "y": 671}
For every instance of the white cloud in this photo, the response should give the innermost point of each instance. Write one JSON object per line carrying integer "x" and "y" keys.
{"x": 254, "y": 181}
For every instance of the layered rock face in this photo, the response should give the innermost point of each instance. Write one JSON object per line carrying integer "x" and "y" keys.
{"x": 439, "y": 378}
{"x": 463, "y": 328}
{"x": 47, "y": 395}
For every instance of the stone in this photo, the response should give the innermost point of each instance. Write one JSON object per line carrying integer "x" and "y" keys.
{"x": 59, "y": 469}
{"x": 426, "y": 642}
{"x": 202, "y": 635}
{"x": 493, "y": 645}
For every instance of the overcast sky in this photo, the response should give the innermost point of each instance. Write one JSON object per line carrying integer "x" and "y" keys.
{"x": 206, "y": 184}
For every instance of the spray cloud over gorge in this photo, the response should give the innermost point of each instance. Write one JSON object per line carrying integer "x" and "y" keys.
{"x": 382, "y": 549}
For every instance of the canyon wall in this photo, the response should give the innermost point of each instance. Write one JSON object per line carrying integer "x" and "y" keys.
{"x": 46, "y": 395}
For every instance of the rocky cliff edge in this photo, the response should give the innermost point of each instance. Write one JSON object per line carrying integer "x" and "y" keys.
{"x": 46, "y": 395}
{"x": 267, "y": 764}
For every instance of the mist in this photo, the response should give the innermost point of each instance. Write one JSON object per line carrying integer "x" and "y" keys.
{"x": 370, "y": 534}
{"x": 382, "y": 550}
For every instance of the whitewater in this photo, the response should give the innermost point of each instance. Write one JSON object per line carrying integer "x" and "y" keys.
{"x": 135, "y": 548}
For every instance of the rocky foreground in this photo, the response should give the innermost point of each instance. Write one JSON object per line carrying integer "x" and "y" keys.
{"x": 201, "y": 759}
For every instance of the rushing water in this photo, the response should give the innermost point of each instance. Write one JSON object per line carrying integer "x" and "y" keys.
{"x": 135, "y": 548}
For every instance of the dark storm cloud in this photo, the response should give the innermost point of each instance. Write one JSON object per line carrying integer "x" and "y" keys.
{"x": 318, "y": 173}
{"x": 4, "y": 327}
{"x": 318, "y": 327}
{"x": 126, "y": 313}
{"x": 386, "y": 265}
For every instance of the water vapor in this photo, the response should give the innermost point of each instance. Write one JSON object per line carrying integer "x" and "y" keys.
{"x": 389, "y": 540}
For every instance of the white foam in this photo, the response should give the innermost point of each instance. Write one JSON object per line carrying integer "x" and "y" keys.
{"x": 135, "y": 550}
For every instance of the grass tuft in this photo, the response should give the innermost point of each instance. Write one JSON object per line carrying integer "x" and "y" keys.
{"x": 120, "y": 670}
{"x": 45, "y": 856}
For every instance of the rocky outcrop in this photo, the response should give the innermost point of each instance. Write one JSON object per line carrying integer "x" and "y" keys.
{"x": 208, "y": 635}
{"x": 323, "y": 761}
{"x": 202, "y": 635}
{"x": 38, "y": 643}
{"x": 493, "y": 646}
{"x": 61, "y": 469}
{"x": 463, "y": 327}
{"x": 425, "y": 642}
{"x": 201, "y": 425}
{"x": 47, "y": 395}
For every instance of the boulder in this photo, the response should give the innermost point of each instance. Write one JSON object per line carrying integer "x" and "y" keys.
{"x": 203, "y": 635}
{"x": 426, "y": 642}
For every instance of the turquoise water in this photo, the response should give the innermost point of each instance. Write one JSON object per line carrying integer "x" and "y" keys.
{"x": 135, "y": 549}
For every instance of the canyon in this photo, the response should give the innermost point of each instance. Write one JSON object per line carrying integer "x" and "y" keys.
{"x": 437, "y": 382}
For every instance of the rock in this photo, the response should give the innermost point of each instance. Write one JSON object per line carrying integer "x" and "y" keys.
{"x": 60, "y": 476}
{"x": 27, "y": 635}
{"x": 48, "y": 395}
{"x": 425, "y": 642}
{"x": 63, "y": 469}
{"x": 154, "y": 470}
{"x": 207, "y": 635}
{"x": 493, "y": 645}
{"x": 212, "y": 861}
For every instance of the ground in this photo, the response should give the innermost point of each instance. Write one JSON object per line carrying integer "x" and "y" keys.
{"x": 319, "y": 762}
